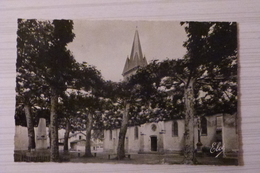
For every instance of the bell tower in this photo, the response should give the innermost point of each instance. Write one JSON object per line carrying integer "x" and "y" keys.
{"x": 136, "y": 58}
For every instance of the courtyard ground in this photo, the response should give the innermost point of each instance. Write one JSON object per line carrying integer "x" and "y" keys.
{"x": 150, "y": 159}
{"x": 101, "y": 157}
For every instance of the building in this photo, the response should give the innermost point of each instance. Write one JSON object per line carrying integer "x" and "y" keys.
{"x": 136, "y": 59}
{"x": 77, "y": 140}
{"x": 218, "y": 130}
{"x": 168, "y": 136}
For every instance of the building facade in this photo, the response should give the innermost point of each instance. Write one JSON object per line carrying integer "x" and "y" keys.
{"x": 168, "y": 136}
{"x": 212, "y": 131}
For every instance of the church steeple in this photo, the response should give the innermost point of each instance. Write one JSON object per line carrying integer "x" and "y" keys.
{"x": 136, "y": 59}
{"x": 136, "y": 48}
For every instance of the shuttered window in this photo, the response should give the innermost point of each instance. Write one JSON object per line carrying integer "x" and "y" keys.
{"x": 204, "y": 126}
{"x": 175, "y": 128}
{"x": 136, "y": 132}
{"x": 110, "y": 134}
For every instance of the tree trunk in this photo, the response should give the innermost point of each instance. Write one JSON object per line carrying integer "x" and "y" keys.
{"x": 122, "y": 133}
{"x": 66, "y": 137}
{"x": 189, "y": 124}
{"x": 54, "y": 127}
{"x": 30, "y": 127}
{"x": 89, "y": 123}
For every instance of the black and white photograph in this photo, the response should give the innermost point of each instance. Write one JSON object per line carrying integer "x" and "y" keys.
{"x": 127, "y": 92}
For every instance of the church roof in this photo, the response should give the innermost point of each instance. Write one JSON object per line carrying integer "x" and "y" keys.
{"x": 136, "y": 57}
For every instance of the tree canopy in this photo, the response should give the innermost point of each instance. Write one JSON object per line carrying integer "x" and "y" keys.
{"x": 203, "y": 82}
{"x": 51, "y": 84}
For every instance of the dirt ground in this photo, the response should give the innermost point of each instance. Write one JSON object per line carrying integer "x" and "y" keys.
{"x": 149, "y": 159}
{"x": 101, "y": 157}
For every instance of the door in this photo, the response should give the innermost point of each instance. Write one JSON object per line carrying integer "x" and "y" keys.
{"x": 153, "y": 143}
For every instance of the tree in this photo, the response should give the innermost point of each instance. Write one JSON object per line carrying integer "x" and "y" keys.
{"x": 48, "y": 59}
{"x": 205, "y": 77}
{"x": 59, "y": 64}
{"x": 68, "y": 111}
{"x": 92, "y": 82}
{"x": 123, "y": 102}
{"x": 30, "y": 87}
{"x": 211, "y": 58}
{"x": 88, "y": 114}
{"x": 85, "y": 92}
{"x": 127, "y": 110}
{"x": 122, "y": 132}
{"x": 156, "y": 89}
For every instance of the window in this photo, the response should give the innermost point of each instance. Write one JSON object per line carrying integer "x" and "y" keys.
{"x": 110, "y": 134}
{"x": 79, "y": 136}
{"x": 153, "y": 127}
{"x": 136, "y": 132}
{"x": 219, "y": 123}
{"x": 175, "y": 128}
{"x": 204, "y": 128}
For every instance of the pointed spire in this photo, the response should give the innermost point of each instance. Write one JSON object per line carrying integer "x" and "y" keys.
{"x": 136, "y": 48}
{"x": 136, "y": 58}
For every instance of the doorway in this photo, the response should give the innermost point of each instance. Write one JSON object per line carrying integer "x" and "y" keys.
{"x": 153, "y": 143}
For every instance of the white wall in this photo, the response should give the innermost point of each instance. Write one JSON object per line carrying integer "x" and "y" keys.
{"x": 111, "y": 145}
{"x": 79, "y": 146}
{"x": 133, "y": 145}
{"x": 208, "y": 139}
{"x": 147, "y": 133}
{"x": 21, "y": 138}
{"x": 230, "y": 135}
{"x": 173, "y": 143}
{"x": 163, "y": 132}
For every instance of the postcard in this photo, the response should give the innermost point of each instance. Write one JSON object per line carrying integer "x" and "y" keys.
{"x": 131, "y": 92}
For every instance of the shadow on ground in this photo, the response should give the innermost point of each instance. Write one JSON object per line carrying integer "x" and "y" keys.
{"x": 150, "y": 159}
{"x": 100, "y": 157}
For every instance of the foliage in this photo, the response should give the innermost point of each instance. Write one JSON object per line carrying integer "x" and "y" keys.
{"x": 30, "y": 87}
{"x": 212, "y": 61}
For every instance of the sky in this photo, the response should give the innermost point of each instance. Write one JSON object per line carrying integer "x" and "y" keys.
{"x": 107, "y": 44}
